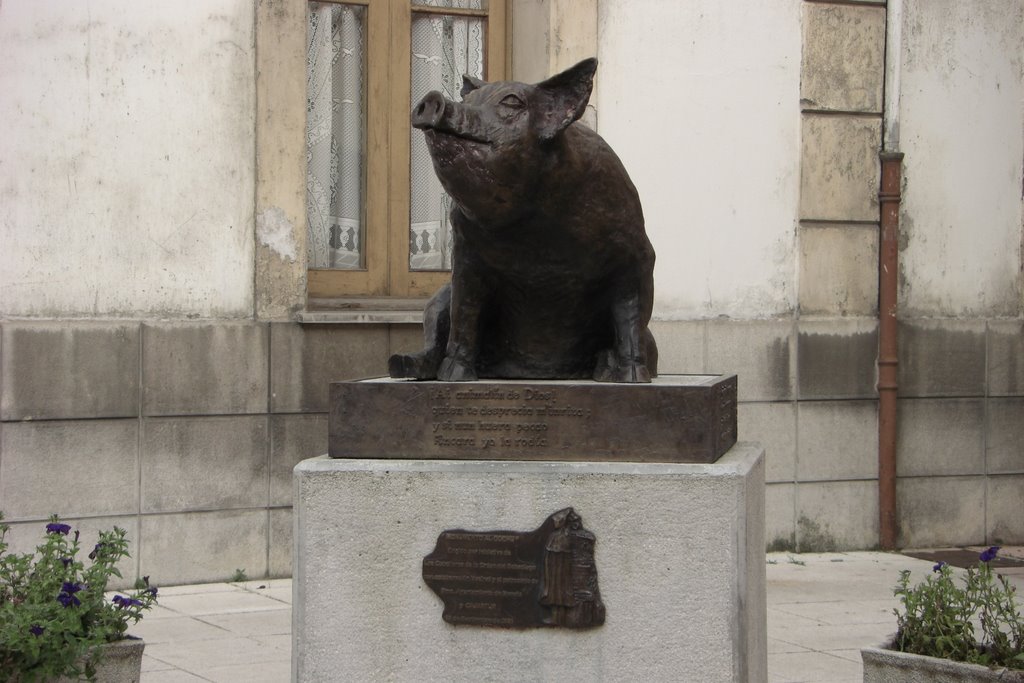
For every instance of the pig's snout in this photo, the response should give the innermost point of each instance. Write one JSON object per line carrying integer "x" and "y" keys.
{"x": 429, "y": 112}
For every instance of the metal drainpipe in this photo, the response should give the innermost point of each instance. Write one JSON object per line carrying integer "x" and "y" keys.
{"x": 888, "y": 271}
{"x": 888, "y": 268}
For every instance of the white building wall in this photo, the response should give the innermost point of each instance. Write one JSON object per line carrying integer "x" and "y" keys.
{"x": 126, "y": 159}
{"x": 962, "y": 130}
{"x": 700, "y": 100}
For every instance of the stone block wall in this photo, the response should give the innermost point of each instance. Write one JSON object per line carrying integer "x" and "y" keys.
{"x": 807, "y": 393}
{"x": 184, "y": 434}
{"x": 959, "y": 458}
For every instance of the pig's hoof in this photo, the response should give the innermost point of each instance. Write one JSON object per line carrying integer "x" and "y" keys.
{"x": 416, "y": 366}
{"x": 453, "y": 370}
{"x": 609, "y": 369}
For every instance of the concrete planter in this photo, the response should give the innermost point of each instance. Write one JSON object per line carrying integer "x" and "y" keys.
{"x": 121, "y": 662}
{"x": 882, "y": 665}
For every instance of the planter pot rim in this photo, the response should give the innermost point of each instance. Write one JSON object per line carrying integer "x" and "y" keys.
{"x": 121, "y": 662}
{"x": 883, "y": 655}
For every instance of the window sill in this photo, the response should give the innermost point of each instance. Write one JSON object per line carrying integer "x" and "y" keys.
{"x": 369, "y": 310}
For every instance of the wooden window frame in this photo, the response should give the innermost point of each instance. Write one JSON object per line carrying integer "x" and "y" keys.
{"x": 387, "y": 172}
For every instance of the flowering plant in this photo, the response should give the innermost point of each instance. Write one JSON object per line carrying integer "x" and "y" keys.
{"x": 938, "y": 617}
{"x": 53, "y": 611}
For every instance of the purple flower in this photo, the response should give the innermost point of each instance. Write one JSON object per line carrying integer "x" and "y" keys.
{"x": 96, "y": 551}
{"x": 152, "y": 591}
{"x": 58, "y": 528}
{"x": 67, "y": 595}
{"x": 989, "y": 555}
{"x": 66, "y": 561}
{"x": 36, "y": 629}
{"x": 124, "y": 602}
{"x": 938, "y": 567}
{"x": 68, "y": 600}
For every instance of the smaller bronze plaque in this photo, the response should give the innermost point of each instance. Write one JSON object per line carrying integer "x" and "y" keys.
{"x": 513, "y": 579}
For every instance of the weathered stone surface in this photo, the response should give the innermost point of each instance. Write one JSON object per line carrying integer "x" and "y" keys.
{"x": 119, "y": 661}
{"x": 676, "y": 418}
{"x": 280, "y": 542}
{"x": 60, "y": 370}
{"x": 210, "y": 368}
{"x": 843, "y": 58}
{"x": 74, "y": 468}
{"x": 203, "y": 547}
{"x": 405, "y": 338}
{"x": 761, "y": 352}
{"x": 941, "y": 358}
{"x": 1005, "y": 510}
{"x": 883, "y": 665}
{"x": 552, "y": 35}
{"x": 838, "y": 270}
{"x": 1004, "y": 440}
{"x": 293, "y": 438}
{"x": 280, "y": 159}
{"x": 680, "y": 346}
{"x": 940, "y": 437}
{"x": 837, "y": 514}
{"x": 837, "y": 359}
{"x": 674, "y": 540}
{"x": 780, "y": 516}
{"x": 203, "y": 463}
{"x": 838, "y": 440}
{"x": 305, "y": 359}
{"x": 940, "y": 511}
{"x": 773, "y": 425}
{"x": 1006, "y": 358}
{"x": 840, "y": 172}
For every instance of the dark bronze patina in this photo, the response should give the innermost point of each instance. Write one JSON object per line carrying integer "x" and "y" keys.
{"x": 552, "y": 271}
{"x": 511, "y": 579}
{"x": 677, "y": 418}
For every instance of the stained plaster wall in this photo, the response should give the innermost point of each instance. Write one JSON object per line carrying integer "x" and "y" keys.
{"x": 127, "y": 160}
{"x": 961, "y": 125}
{"x": 698, "y": 98}
{"x": 752, "y": 134}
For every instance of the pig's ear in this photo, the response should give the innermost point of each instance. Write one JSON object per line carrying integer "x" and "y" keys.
{"x": 563, "y": 98}
{"x": 469, "y": 84}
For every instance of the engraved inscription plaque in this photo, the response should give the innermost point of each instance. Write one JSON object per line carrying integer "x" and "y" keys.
{"x": 510, "y": 579}
{"x": 676, "y": 418}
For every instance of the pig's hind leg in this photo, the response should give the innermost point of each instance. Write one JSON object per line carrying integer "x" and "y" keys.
{"x": 436, "y": 328}
{"x": 627, "y": 361}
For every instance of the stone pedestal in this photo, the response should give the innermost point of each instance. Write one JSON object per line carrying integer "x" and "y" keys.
{"x": 679, "y": 555}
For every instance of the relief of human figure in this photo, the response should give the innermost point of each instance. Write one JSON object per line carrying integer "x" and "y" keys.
{"x": 568, "y": 591}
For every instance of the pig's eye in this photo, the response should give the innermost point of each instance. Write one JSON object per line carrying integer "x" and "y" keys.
{"x": 513, "y": 102}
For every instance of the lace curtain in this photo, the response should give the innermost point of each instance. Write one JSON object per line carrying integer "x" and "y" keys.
{"x": 335, "y": 68}
{"x": 443, "y": 49}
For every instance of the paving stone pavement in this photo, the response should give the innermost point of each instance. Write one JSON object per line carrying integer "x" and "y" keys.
{"x": 822, "y": 608}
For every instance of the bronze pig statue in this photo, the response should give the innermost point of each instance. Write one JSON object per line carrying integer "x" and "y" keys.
{"x": 553, "y": 274}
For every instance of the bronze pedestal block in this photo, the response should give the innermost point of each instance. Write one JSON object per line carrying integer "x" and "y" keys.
{"x": 676, "y": 418}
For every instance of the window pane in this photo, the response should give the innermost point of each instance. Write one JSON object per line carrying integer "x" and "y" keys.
{"x": 335, "y": 135}
{"x": 456, "y": 4}
{"x": 443, "y": 49}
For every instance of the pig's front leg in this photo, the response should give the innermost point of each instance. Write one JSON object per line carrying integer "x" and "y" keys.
{"x": 627, "y": 361}
{"x": 459, "y": 364}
